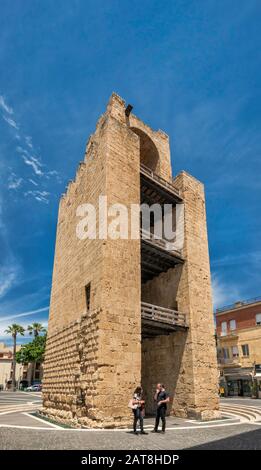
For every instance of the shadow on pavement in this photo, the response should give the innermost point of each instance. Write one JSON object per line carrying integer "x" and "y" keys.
{"x": 250, "y": 440}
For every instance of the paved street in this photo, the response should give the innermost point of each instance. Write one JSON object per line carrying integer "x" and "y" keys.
{"x": 240, "y": 428}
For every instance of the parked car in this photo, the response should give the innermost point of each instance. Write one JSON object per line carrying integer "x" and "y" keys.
{"x": 34, "y": 388}
{"x": 23, "y": 384}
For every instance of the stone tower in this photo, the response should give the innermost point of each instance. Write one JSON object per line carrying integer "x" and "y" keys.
{"x": 129, "y": 311}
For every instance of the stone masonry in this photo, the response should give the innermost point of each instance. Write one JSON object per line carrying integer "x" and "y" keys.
{"x": 96, "y": 353}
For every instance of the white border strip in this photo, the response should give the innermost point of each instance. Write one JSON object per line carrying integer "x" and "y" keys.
{"x": 121, "y": 430}
{"x": 42, "y": 420}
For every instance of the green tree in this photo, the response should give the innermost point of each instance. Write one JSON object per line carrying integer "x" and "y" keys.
{"x": 33, "y": 351}
{"x": 35, "y": 329}
{"x": 14, "y": 330}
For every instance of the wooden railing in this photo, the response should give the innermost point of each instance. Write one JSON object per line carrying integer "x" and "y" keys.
{"x": 158, "y": 179}
{"x": 161, "y": 242}
{"x": 163, "y": 315}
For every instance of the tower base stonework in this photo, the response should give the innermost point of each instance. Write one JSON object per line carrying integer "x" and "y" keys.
{"x": 98, "y": 346}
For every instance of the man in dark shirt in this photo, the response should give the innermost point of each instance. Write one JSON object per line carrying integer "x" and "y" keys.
{"x": 162, "y": 398}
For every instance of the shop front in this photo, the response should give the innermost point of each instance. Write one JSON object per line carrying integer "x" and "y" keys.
{"x": 257, "y": 380}
{"x": 239, "y": 384}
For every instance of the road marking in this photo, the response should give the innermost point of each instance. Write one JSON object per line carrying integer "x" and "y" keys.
{"x": 119, "y": 430}
{"x": 17, "y": 410}
{"x": 25, "y": 427}
{"x": 6, "y": 407}
{"x": 242, "y": 418}
{"x": 213, "y": 421}
{"x": 42, "y": 420}
{"x": 34, "y": 394}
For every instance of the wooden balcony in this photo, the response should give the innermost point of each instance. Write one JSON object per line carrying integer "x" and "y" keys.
{"x": 157, "y": 256}
{"x": 158, "y": 320}
{"x": 155, "y": 189}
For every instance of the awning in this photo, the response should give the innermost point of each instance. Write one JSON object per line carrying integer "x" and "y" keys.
{"x": 239, "y": 377}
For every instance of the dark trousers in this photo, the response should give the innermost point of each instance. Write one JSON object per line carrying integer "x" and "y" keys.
{"x": 161, "y": 414}
{"x": 137, "y": 416}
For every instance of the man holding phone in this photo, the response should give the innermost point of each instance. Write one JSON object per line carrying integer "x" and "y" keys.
{"x": 162, "y": 398}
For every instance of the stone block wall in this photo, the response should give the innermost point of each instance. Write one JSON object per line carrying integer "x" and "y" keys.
{"x": 93, "y": 358}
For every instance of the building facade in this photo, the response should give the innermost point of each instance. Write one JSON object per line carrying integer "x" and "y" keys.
{"x": 6, "y": 367}
{"x": 25, "y": 374}
{"x": 239, "y": 348}
{"x": 32, "y": 373}
{"x": 129, "y": 311}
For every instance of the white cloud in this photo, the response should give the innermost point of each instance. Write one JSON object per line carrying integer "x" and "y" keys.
{"x": 223, "y": 293}
{"x": 8, "y": 276}
{"x": 5, "y": 106}
{"x": 231, "y": 260}
{"x": 33, "y": 182}
{"x": 9, "y": 269}
{"x": 41, "y": 196}
{"x": 27, "y": 152}
{"x": 28, "y": 140}
{"x": 14, "y": 182}
{"x": 11, "y": 122}
{"x": 34, "y": 163}
{"x": 24, "y": 314}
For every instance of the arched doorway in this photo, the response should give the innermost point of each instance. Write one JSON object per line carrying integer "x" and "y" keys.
{"x": 149, "y": 155}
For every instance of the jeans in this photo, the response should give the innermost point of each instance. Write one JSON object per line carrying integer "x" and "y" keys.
{"x": 161, "y": 413}
{"x": 137, "y": 415}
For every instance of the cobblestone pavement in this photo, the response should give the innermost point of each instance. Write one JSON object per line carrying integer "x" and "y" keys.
{"x": 241, "y": 436}
{"x": 20, "y": 429}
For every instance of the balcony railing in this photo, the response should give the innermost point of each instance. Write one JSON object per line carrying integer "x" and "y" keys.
{"x": 229, "y": 334}
{"x": 228, "y": 361}
{"x": 158, "y": 179}
{"x": 163, "y": 315}
{"x": 238, "y": 304}
{"x": 161, "y": 242}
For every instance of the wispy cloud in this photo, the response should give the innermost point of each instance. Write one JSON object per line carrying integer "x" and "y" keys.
{"x": 14, "y": 182}
{"x": 4, "y": 106}
{"x": 33, "y": 182}
{"x": 231, "y": 260}
{"x": 34, "y": 163}
{"x": 28, "y": 140}
{"x": 24, "y": 314}
{"x": 30, "y": 157}
{"x": 11, "y": 122}
{"x": 223, "y": 293}
{"x": 41, "y": 196}
{"x": 9, "y": 269}
{"x": 8, "y": 275}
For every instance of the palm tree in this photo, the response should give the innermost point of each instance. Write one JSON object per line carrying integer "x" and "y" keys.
{"x": 35, "y": 329}
{"x": 14, "y": 330}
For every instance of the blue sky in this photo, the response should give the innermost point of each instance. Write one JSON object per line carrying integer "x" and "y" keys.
{"x": 190, "y": 68}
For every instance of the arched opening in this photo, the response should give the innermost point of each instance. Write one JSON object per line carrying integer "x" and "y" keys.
{"x": 149, "y": 154}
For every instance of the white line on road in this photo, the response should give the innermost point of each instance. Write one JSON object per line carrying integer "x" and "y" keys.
{"x": 213, "y": 421}
{"x": 41, "y": 420}
{"x": 121, "y": 430}
{"x": 17, "y": 410}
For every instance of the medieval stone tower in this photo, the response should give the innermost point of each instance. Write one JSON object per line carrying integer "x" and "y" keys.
{"x": 129, "y": 311}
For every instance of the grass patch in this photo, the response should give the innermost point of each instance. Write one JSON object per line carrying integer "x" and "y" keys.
{"x": 51, "y": 421}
